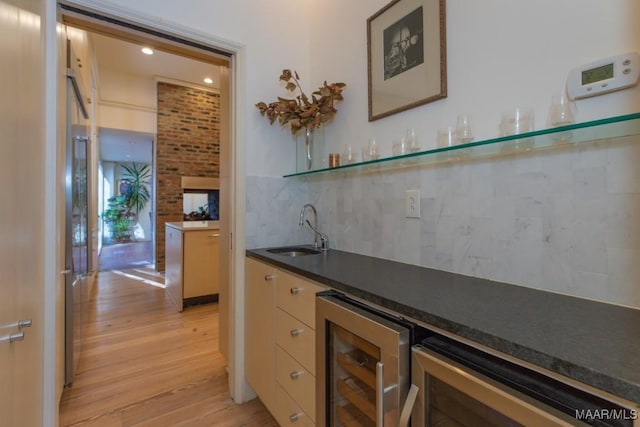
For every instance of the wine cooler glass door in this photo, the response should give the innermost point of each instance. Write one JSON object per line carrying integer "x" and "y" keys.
{"x": 352, "y": 374}
{"x": 362, "y": 366}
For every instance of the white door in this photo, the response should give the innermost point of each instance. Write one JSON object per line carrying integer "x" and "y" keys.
{"x": 22, "y": 209}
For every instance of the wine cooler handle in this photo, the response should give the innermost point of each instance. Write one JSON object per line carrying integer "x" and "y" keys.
{"x": 408, "y": 406}
{"x": 380, "y": 394}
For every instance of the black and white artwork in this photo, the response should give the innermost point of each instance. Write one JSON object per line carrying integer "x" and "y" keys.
{"x": 403, "y": 44}
{"x": 406, "y": 56}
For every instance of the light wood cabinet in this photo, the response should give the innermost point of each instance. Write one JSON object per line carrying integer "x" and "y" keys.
{"x": 259, "y": 327}
{"x": 192, "y": 265}
{"x": 280, "y": 341}
{"x": 201, "y": 261}
{"x": 296, "y": 338}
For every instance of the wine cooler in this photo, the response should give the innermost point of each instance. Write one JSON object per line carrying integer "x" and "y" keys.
{"x": 362, "y": 363}
{"x": 459, "y": 385}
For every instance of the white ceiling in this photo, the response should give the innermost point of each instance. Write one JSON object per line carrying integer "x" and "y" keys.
{"x": 124, "y": 57}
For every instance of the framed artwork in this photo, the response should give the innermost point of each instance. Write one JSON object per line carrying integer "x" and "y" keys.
{"x": 407, "y": 56}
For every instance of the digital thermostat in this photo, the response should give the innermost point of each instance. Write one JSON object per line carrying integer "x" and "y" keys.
{"x": 606, "y": 75}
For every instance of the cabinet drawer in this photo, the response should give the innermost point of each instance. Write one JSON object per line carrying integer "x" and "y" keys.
{"x": 288, "y": 413}
{"x": 297, "y": 339}
{"x": 297, "y": 297}
{"x": 296, "y": 381}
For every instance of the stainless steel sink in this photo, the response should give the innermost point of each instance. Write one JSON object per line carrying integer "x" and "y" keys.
{"x": 293, "y": 251}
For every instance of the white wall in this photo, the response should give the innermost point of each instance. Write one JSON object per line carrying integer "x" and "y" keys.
{"x": 500, "y": 54}
{"x": 126, "y": 102}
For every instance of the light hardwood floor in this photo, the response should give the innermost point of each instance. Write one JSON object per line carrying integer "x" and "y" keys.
{"x": 145, "y": 364}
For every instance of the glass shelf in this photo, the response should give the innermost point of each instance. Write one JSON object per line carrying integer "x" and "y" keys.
{"x": 614, "y": 127}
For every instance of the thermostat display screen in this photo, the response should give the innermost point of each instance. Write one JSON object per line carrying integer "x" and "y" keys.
{"x": 597, "y": 74}
{"x": 604, "y": 76}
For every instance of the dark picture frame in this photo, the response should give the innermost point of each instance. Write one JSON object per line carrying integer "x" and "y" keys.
{"x": 406, "y": 56}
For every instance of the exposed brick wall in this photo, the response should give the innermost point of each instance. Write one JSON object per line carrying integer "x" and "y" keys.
{"x": 188, "y": 144}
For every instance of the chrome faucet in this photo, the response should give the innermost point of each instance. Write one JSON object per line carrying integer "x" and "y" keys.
{"x": 324, "y": 240}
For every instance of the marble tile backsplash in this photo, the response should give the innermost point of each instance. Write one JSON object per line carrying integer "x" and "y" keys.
{"x": 273, "y": 212}
{"x": 565, "y": 220}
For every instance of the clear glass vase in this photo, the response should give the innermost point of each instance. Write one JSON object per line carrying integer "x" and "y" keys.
{"x": 310, "y": 150}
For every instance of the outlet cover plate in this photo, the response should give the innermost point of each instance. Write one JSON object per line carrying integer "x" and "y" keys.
{"x": 412, "y": 203}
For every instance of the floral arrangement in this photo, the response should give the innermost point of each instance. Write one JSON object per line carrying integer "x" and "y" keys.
{"x": 302, "y": 111}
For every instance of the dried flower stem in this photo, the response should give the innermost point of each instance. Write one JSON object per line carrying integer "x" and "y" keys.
{"x": 299, "y": 112}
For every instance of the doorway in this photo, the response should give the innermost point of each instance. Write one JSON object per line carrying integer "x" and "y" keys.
{"x": 125, "y": 199}
{"x": 155, "y": 108}
{"x": 229, "y": 195}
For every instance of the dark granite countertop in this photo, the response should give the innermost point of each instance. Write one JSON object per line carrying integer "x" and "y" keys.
{"x": 594, "y": 343}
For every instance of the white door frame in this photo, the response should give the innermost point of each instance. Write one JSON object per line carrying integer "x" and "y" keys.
{"x": 239, "y": 390}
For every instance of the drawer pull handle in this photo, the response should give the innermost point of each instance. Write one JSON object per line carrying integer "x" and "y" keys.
{"x": 214, "y": 235}
{"x": 295, "y": 291}
{"x": 296, "y": 332}
{"x": 25, "y": 323}
{"x": 18, "y": 336}
{"x": 269, "y": 277}
{"x": 295, "y": 417}
{"x": 295, "y": 374}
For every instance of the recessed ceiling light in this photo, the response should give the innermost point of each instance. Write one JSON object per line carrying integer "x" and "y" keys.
{"x": 147, "y": 51}
{"x": 208, "y": 80}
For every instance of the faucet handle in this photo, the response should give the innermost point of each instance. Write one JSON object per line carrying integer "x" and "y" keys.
{"x": 324, "y": 243}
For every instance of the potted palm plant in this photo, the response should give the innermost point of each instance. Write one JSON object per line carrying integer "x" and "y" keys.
{"x": 136, "y": 179}
{"x": 122, "y": 212}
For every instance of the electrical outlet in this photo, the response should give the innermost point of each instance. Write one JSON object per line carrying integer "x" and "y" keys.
{"x": 412, "y": 203}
